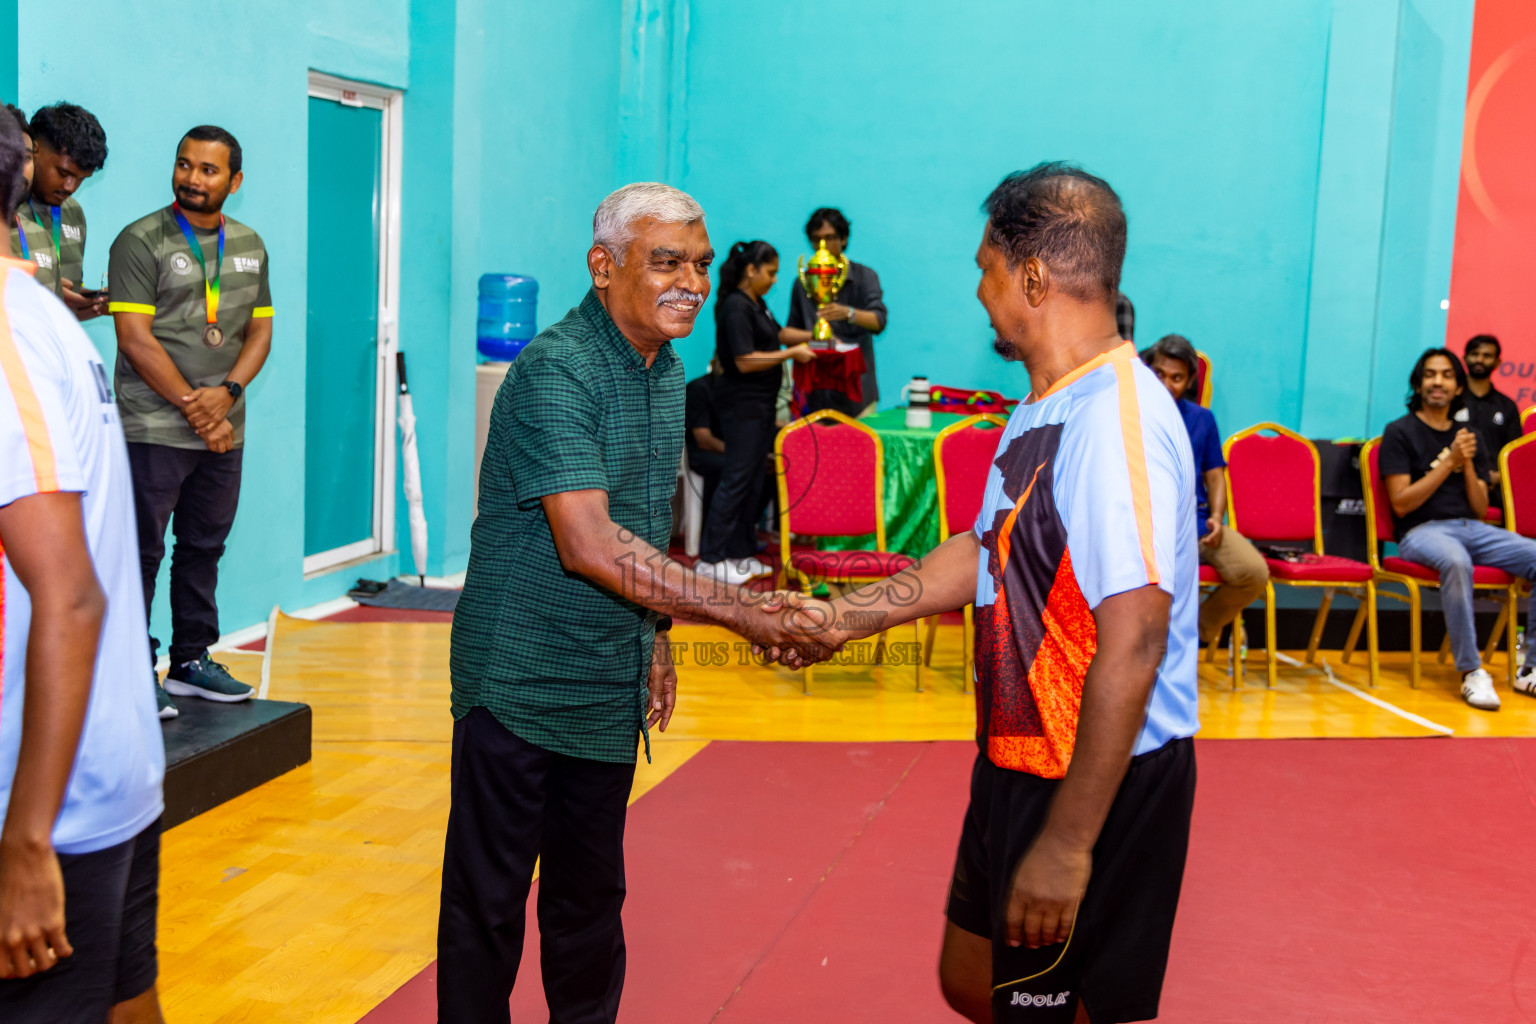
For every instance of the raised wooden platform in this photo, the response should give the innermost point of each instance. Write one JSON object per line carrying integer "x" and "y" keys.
{"x": 214, "y": 752}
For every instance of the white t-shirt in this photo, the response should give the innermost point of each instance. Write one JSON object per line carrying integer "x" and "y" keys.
{"x": 59, "y": 431}
{"x": 1091, "y": 494}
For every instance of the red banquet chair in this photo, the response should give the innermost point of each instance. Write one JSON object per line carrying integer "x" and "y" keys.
{"x": 1528, "y": 420}
{"x": 1274, "y": 494}
{"x": 1411, "y": 575}
{"x": 1202, "y": 384}
{"x": 831, "y": 475}
{"x": 962, "y": 455}
{"x": 1517, "y": 481}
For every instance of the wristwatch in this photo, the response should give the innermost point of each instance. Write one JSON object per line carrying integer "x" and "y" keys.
{"x": 851, "y": 311}
{"x": 233, "y": 387}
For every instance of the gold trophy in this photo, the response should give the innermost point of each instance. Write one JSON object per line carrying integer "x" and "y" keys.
{"x": 822, "y": 278}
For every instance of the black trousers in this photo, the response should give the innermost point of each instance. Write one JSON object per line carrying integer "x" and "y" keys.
{"x": 514, "y": 802}
{"x": 730, "y": 528}
{"x": 197, "y": 493}
{"x": 708, "y": 465}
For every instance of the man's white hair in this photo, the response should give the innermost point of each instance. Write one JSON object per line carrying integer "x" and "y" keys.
{"x": 613, "y": 223}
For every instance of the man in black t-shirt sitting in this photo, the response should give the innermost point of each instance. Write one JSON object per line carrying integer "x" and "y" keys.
{"x": 702, "y": 433}
{"x": 1493, "y": 414}
{"x": 1436, "y": 473}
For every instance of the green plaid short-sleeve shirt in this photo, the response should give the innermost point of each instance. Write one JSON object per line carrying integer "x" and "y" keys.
{"x": 559, "y": 660}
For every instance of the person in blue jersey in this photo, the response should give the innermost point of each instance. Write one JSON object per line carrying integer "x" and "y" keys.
{"x": 1243, "y": 571}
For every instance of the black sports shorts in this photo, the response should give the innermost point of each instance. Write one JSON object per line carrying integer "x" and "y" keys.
{"x": 110, "y": 900}
{"x": 1115, "y": 959}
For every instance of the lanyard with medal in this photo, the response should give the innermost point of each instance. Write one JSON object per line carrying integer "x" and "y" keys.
{"x": 213, "y": 336}
{"x": 58, "y": 249}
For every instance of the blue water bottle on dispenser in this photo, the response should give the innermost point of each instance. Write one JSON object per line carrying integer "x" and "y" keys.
{"x": 508, "y": 311}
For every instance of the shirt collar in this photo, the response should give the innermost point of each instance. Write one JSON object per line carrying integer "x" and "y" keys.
{"x": 1120, "y": 353}
{"x": 603, "y": 326}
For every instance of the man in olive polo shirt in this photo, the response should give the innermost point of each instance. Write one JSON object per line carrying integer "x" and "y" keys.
{"x": 560, "y": 658}
{"x": 194, "y": 326}
{"x": 69, "y": 146}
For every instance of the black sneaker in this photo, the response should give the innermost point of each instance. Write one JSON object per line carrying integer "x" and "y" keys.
{"x": 207, "y": 679}
{"x": 163, "y": 699}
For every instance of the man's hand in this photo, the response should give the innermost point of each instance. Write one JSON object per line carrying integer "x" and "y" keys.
{"x": 834, "y": 311}
{"x": 796, "y": 630}
{"x": 85, "y": 307}
{"x": 32, "y": 935}
{"x": 1212, "y": 539}
{"x": 220, "y": 438}
{"x": 1048, "y": 888}
{"x": 205, "y": 407}
{"x": 1464, "y": 447}
{"x": 662, "y": 684}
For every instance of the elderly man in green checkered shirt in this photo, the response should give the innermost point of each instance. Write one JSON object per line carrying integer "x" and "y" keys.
{"x": 560, "y": 658}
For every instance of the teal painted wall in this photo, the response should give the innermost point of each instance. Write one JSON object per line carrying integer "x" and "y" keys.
{"x": 1289, "y": 171}
{"x": 10, "y": 50}
{"x": 480, "y": 138}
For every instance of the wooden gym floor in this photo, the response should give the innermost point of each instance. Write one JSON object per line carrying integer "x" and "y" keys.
{"x": 314, "y": 897}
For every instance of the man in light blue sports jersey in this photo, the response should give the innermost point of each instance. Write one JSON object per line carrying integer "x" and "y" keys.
{"x": 1084, "y": 571}
{"x": 81, "y": 758}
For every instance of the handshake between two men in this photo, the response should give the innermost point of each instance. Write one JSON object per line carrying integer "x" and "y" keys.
{"x": 789, "y": 628}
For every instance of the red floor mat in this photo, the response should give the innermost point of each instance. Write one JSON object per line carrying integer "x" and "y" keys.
{"x": 1334, "y": 880}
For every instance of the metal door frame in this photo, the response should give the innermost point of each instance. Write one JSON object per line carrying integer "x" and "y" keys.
{"x": 390, "y": 101}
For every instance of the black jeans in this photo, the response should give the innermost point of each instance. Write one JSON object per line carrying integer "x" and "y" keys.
{"x": 197, "y": 493}
{"x": 513, "y": 801}
{"x": 708, "y": 465}
{"x": 730, "y": 528}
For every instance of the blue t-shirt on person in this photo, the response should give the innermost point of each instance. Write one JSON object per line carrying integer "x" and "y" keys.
{"x": 1205, "y": 440}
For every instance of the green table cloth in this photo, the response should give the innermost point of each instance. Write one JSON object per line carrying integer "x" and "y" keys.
{"x": 911, "y": 496}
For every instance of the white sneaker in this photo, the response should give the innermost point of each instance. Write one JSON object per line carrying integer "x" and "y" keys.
{"x": 722, "y": 572}
{"x": 753, "y": 568}
{"x": 1525, "y": 681}
{"x": 1477, "y": 690}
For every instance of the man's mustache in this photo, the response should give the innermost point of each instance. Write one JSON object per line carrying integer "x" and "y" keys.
{"x": 680, "y": 295}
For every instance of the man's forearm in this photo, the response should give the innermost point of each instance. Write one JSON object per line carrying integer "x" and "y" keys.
{"x": 638, "y": 572}
{"x": 1477, "y": 491}
{"x": 253, "y": 353}
{"x": 1411, "y": 496}
{"x": 61, "y": 659}
{"x": 942, "y": 581}
{"x": 155, "y": 368}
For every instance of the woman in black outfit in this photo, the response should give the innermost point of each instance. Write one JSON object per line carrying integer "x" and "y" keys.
{"x": 749, "y": 344}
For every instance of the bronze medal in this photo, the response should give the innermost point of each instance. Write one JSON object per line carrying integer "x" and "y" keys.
{"x": 213, "y": 336}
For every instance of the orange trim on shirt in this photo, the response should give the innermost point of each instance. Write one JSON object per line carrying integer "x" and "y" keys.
{"x": 1116, "y": 355}
{"x": 33, "y": 424}
{"x": 1005, "y": 534}
{"x": 25, "y": 266}
{"x": 1136, "y": 463}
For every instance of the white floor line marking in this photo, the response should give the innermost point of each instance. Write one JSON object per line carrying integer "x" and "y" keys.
{"x": 266, "y": 655}
{"x": 1384, "y": 705}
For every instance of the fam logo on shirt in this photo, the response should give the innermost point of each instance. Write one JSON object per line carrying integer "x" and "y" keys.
{"x": 43, "y": 259}
{"x": 247, "y": 264}
{"x": 181, "y": 263}
{"x": 72, "y": 232}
